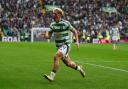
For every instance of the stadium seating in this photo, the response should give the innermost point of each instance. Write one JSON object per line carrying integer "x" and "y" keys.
{"x": 83, "y": 14}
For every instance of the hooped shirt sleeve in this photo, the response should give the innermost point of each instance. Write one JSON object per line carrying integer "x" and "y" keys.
{"x": 51, "y": 28}
{"x": 69, "y": 27}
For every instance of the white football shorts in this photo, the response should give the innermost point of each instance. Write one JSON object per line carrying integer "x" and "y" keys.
{"x": 64, "y": 49}
{"x": 114, "y": 38}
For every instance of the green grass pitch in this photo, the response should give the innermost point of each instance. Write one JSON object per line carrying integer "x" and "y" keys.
{"x": 22, "y": 66}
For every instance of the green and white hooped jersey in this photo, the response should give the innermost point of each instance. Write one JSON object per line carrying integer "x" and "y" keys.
{"x": 115, "y": 31}
{"x": 61, "y": 32}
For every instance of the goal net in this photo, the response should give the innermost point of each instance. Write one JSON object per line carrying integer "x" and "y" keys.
{"x": 37, "y": 34}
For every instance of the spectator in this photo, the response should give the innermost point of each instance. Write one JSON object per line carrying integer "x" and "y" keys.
{"x": 21, "y": 15}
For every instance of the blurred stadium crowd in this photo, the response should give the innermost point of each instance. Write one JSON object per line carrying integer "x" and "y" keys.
{"x": 17, "y": 17}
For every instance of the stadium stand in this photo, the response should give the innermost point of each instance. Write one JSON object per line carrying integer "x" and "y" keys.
{"x": 17, "y": 17}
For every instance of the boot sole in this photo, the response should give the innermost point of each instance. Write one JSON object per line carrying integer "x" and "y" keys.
{"x": 45, "y": 76}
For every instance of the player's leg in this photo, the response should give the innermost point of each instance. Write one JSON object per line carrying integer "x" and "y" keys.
{"x": 114, "y": 38}
{"x": 114, "y": 45}
{"x": 68, "y": 62}
{"x": 57, "y": 57}
{"x": 114, "y": 42}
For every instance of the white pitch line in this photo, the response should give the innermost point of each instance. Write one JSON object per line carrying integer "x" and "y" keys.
{"x": 107, "y": 67}
{"x": 103, "y": 61}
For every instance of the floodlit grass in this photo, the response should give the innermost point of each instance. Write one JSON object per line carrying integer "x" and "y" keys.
{"x": 22, "y": 66}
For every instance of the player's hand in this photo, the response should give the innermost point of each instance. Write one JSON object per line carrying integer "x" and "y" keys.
{"x": 77, "y": 45}
{"x": 46, "y": 36}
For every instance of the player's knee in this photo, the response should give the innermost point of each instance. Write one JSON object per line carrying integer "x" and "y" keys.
{"x": 57, "y": 56}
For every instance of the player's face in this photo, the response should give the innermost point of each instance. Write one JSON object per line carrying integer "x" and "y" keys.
{"x": 56, "y": 16}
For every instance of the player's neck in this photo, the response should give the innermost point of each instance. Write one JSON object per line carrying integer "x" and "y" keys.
{"x": 58, "y": 20}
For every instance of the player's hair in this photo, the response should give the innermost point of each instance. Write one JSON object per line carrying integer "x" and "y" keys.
{"x": 60, "y": 11}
